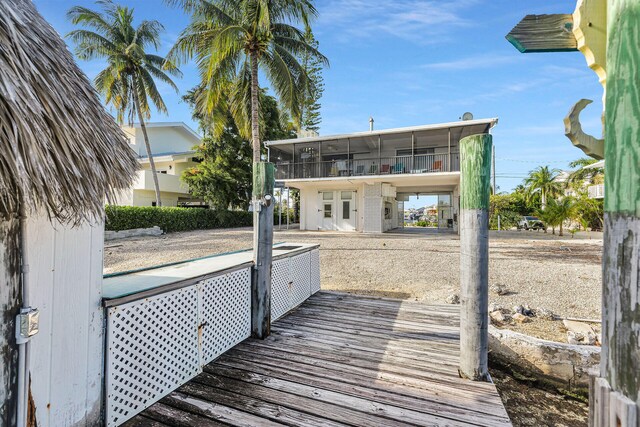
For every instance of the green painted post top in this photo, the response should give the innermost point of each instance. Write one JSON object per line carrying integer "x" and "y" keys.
{"x": 263, "y": 179}
{"x": 475, "y": 171}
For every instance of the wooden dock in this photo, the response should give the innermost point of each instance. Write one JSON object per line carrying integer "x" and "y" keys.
{"x": 339, "y": 360}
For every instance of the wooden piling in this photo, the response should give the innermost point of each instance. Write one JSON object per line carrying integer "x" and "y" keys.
{"x": 620, "y": 358}
{"x": 263, "y": 184}
{"x": 475, "y": 184}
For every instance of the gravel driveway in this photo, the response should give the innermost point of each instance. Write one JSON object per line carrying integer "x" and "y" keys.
{"x": 541, "y": 270}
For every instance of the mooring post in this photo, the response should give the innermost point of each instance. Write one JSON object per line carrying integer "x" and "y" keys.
{"x": 475, "y": 184}
{"x": 263, "y": 203}
{"x": 617, "y": 390}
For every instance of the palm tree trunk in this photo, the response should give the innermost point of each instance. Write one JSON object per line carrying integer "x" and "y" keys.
{"x": 255, "y": 108}
{"x": 543, "y": 199}
{"x": 152, "y": 163}
{"x": 561, "y": 228}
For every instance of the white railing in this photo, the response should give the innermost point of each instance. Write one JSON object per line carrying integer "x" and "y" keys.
{"x": 596, "y": 191}
{"x": 157, "y": 343}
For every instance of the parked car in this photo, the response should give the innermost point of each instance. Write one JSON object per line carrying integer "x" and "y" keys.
{"x": 531, "y": 223}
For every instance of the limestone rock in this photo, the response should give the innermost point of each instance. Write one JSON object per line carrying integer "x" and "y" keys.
{"x": 545, "y": 314}
{"x": 453, "y": 299}
{"x": 499, "y": 289}
{"x": 498, "y": 317}
{"x": 496, "y": 307}
{"x": 580, "y": 333}
{"x": 521, "y": 318}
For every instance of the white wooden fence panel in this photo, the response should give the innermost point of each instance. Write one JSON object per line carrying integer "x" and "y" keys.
{"x": 300, "y": 279}
{"x": 315, "y": 271}
{"x": 279, "y": 288}
{"x": 224, "y": 312}
{"x": 65, "y": 357}
{"x": 152, "y": 349}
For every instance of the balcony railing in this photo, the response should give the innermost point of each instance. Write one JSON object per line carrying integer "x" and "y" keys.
{"x": 421, "y": 163}
{"x": 596, "y": 191}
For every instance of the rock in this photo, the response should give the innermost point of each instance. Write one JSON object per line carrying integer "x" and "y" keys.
{"x": 527, "y": 311}
{"x": 498, "y": 317}
{"x": 521, "y": 318}
{"x": 579, "y": 333}
{"x": 453, "y": 299}
{"x": 499, "y": 289}
{"x": 495, "y": 307}
{"x": 518, "y": 309}
{"x": 545, "y": 314}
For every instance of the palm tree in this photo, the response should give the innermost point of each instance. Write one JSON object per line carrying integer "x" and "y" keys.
{"x": 128, "y": 81}
{"x": 557, "y": 212}
{"x": 232, "y": 39}
{"x": 543, "y": 180}
{"x": 581, "y": 176}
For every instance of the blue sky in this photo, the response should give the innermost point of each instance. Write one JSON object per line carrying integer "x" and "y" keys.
{"x": 413, "y": 62}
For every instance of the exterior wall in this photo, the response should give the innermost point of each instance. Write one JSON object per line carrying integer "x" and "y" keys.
{"x": 163, "y": 139}
{"x": 66, "y": 356}
{"x": 147, "y": 197}
{"x": 455, "y": 207}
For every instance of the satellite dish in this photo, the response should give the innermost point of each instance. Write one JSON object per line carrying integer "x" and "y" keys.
{"x": 467, "y": 116}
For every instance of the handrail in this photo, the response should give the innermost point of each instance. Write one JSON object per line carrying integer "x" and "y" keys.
{"x": 420, "y": 163}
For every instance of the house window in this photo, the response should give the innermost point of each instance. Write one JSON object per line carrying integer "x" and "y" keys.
{"x": 328, "y": 207}
{"x": 327, "y": 195}
{"x": 346, "y": 209}
{"x": 346, "y": 195}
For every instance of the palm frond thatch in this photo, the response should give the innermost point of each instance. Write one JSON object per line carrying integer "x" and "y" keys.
{"x": 60, "y": 151}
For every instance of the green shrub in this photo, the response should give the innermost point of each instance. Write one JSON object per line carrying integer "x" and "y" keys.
{"x": 171, "y": 219}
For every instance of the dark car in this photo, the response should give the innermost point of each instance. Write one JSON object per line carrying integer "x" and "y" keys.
{"x": 531, "y": 223}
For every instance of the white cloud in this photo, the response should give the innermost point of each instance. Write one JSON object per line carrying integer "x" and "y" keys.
{"x": 419, "y": 21}
{"x": 473, "y": 62}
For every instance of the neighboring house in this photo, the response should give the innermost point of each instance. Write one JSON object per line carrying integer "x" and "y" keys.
{"x": 596, "y": 191}
{"x": 360, "y": 181}
{"x": 172, "y": 146}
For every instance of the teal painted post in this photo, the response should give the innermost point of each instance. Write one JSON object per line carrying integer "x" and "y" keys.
{"x": 475, "y": 182}
{"x": 263, "y": 203}
{"x": 617, "y": 392}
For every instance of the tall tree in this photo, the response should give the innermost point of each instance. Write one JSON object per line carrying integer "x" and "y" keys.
{"x": 223, "y": 177}
{"x": 232, "y": 40}
{"x": 543, "y": 180}
{"x": 310, "y": 117}
{"x": 128, "y": 81}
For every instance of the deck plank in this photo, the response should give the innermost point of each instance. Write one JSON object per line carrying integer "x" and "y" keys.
{"x": 337, "y": 360}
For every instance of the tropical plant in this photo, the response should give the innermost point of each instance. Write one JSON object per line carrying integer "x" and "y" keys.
{"x": 223, "y": 176}
{"x": 542, "y": 180}
{"x": 232, "y": 39}
{"x": 556, "y": 212}
{"x": 581, "y": 176}
{"x": 128, "y": 81}
{"x": 310, "y": 103}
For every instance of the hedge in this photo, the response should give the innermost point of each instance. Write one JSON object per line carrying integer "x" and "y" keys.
{"x": 171, "y": 219}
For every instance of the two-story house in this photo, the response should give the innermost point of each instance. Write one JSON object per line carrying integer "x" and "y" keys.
{"x": 360, "y": 181}
{"x": 172, "y": 147}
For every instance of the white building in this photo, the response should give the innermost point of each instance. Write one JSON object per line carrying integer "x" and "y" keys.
{"x": 360, "y": 181}
{"x": 172, "y": 147}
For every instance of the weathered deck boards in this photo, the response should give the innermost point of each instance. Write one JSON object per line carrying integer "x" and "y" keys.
{"x": 339, "y": 360}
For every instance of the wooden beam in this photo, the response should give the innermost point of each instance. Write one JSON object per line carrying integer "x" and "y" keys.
{"x": 475, "y": 181}
{"x": 620, "y": 358}
{"x": 263, "y": 183}
{"x": 544, "y": 33}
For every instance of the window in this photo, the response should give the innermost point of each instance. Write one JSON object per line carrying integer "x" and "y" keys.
{"x": 327, "y": 210}
{"x": 388, "y": 209}
{"x": 327, "y": 195}
{"x": 346, "y": 209}
{"x": 346, "y": 195}
{"x": 416, "y": 151}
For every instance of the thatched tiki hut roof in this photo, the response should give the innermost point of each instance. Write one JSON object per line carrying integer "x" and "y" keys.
{"x": 60, "y": 151}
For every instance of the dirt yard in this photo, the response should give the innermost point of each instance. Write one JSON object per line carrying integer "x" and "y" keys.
{"x": 540, "y": 270}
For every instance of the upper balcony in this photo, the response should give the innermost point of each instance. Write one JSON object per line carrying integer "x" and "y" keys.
{"x": 417, "y": 150}
{"x": 166, "y": 182}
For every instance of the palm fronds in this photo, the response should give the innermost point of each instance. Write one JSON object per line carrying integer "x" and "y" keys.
{"x": 61, "y": 152}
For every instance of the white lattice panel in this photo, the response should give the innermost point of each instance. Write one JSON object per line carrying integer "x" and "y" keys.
{"x": 299, "y": 273}
{"x": 279, "y": 288}
{"x": 314, "y": 279}
{"x": 225, "y": 312}
{"x": 152, "y": 348}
